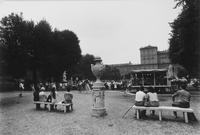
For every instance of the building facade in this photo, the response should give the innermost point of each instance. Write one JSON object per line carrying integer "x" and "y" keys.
{"x": 150, "y": 58}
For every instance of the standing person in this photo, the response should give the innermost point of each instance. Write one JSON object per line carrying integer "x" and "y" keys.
{"x": 21, "y": 88}
{"x": 35, "y": 95}
{"x": 87, "y": 86}
{"x": 181, "y": 98}
{"x": 79, "y": 85}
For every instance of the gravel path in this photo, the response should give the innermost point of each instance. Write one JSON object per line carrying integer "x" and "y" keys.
{"x": 18, "y": 116}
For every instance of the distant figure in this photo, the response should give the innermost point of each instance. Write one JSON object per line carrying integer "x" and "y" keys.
{"x": 79, "y": 85}
{"x": 87, "y": 86}
{"x": 68, "y": 99}
{"x": 35, "y": 93}
{"x": 181, "y": 98}
{"x": 21, "y": 88}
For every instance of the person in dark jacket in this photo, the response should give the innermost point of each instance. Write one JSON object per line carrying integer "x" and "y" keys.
{"x": 35, "y": 95}
{"x": 181, "y": 98}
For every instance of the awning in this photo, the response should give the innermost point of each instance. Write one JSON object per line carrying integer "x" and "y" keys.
{"x": 148, "y": 70}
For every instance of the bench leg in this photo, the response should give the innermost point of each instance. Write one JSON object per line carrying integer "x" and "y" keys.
{"x": 186, "y": 117}
{"x": 37, "y": 106}
{"x": 160, "y": 115}
{"x": 45, "y": 106}
{"x": 137, "y": 113}
{"x": 49, "y": 107}
{"x": 71, "y": 107}
{"x": 65, "y": 109}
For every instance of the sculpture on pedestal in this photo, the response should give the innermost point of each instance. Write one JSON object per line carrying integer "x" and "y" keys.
{"x": 64, "y": 76}
{"x": 98, "y": 107}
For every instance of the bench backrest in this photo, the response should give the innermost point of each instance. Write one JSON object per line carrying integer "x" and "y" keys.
{"x": 68, "y": 96}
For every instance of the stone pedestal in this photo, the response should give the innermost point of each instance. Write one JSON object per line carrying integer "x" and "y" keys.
{"x": 98, "y": 96}
{"x": 98, "y": 107}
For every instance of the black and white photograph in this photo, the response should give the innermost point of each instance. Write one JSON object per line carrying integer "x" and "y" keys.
{"x": 99, "y": 67}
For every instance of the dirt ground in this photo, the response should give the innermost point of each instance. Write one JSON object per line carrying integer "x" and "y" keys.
{"x": 18, "y": 116}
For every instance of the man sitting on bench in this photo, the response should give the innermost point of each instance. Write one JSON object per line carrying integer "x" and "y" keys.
{"x": 183, "y": 98}
{"x": 139, "y": 100}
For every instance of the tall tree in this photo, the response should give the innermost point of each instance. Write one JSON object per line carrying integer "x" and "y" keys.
{"x": 67, "y": 54}
{"x": 83, "y": 69}
{"x": 16, "y": 41}
{"x": 111, "y": 73}
{"x": 42, "y": 49}
{"x": 25, "y": 46}
{"x": 185, "y": 42}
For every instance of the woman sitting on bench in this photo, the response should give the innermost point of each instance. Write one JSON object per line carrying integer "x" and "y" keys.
{"x": 152, "y": 100}
{"x": 52, "y": 97}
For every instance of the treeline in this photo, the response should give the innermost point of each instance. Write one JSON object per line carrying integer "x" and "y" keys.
{"x": 36, "y": 48}
{"x": 185, "y": 37}
{"x": 34, "y": 51}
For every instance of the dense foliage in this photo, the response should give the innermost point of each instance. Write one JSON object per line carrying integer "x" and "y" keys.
{"x": 185, "y": 37}
{"x": 111, "y": 73}
{"x": 29, "y": 47}
{"x": 83, "y": 69}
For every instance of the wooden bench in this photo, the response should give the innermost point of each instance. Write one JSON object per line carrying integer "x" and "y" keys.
{"x": 49, "y": 104}
{"x": 64, "y": 105}
{"x": 160, "y": 109}
{"x": 43, "y": 103}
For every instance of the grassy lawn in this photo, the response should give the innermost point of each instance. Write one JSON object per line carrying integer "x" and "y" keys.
{"x": 18, "y": 116}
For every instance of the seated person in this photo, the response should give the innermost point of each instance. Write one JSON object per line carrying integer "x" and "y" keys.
{"x": 139, "y": 100}
{"x": 153, "y": 99}
{"x": 42, "y": 96}
{"x": 68, "y": 98}
{"x": 182, "y": 97}
{"x": 139, "y": 97}
{"x": 52, "y": 97}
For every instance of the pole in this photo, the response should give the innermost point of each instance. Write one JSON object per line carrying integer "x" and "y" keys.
{"x": 127, "y": 111}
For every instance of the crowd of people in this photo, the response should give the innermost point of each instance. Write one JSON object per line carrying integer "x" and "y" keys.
{"x": 39, "y": 94}
{"x": 145, "y": 96}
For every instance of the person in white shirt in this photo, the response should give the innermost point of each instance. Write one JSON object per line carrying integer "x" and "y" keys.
{"x": 139, "y": 100}
{"x": 153, "y": 99}
{"x": 21, "y": 88}
{"x": 139, "y": 97}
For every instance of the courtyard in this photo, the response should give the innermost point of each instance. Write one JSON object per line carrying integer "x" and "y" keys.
{"x": 18, "y": 116}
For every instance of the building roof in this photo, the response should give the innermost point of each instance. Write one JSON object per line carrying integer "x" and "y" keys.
{"x": 122, "y": 64}
{"x": 149, "y": 70}
{"x": 148, "y": 47}
{"x": 165, "y": 51}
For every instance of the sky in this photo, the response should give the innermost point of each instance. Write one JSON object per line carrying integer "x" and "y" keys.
{"x": 115, "y": 30}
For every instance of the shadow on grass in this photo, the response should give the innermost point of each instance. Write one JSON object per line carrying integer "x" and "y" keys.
{"x": 10, "y": 101}
{"x": 52, "y": 111}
